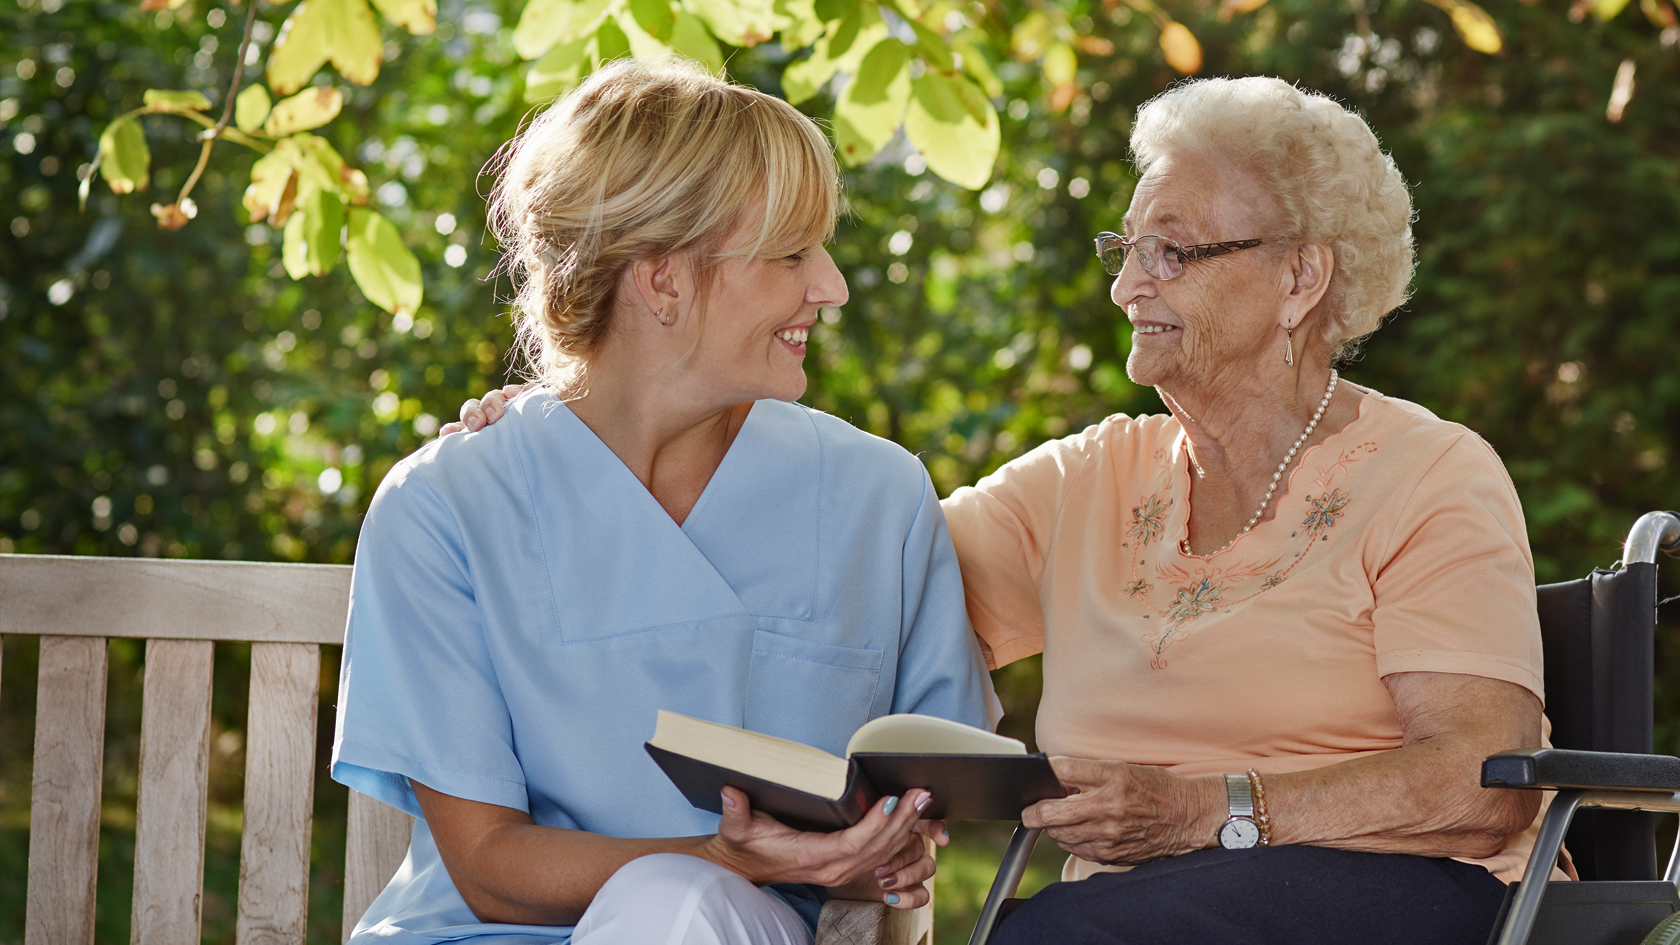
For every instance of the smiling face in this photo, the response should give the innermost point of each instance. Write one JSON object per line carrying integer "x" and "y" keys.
{"x": 751, "y": 342}
{"x": 1220, "y": 315}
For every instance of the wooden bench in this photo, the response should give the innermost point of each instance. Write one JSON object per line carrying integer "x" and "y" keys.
{"x": 287, "y": 612}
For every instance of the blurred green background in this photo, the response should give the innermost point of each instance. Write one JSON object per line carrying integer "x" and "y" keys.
{"x": 174, "y": 393}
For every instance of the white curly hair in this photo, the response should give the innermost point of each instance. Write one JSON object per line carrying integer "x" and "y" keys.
{"x": 1331, "y": 181}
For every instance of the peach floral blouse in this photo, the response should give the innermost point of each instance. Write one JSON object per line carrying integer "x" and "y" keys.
{"x": 1397, "y": 546}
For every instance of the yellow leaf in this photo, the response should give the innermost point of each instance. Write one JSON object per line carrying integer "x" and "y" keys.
{"x": 801, "y": 80}
{"x": 737, "y": 22}
{"x": 942, "y": 122}
{"x": 318, "y": 31}
{"x": 1473, "y": 24}
{"x": 542, "y": 24}
{"x": 250, "y": 109}
{"x": 556, "y": 72}
{"x": 1230, "y": 8}
{"x": 272, "y": 191}
{"x": 188, "y": 100}
{"x": 124, "y": 158}
{"x": 1060, "y": 64}
{"x": 308, "y": 109}
{"x": 1606, "y": 10}
{"x": 1183, "y": 52}
{"x": 384, "y": 269}
{"x": 872, "y": 106}
{"x": 417, "y": 16}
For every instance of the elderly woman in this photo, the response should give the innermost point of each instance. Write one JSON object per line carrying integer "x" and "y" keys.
{"x": 1283, "y": 624}
{"x": 655, "y": 527}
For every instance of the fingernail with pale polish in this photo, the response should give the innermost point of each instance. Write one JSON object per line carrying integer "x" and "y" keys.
{"x": 892, "y": 899}
{"x": 883, "y": 870}
{"x": 892, "y": 805}
{"x": 889, "y": 882}
{"x": 923, "y": 801}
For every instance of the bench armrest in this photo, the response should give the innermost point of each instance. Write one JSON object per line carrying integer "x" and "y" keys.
{"x": 1554, "y": 768}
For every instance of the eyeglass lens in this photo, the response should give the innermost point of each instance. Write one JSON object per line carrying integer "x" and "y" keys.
{"x": 1157, "y": 255}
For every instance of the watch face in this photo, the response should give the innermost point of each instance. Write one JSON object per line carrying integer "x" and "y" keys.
{"x": 1239, "y": 833}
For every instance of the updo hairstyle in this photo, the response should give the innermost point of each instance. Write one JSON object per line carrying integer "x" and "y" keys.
{"x": 642, "y": 161}
{"x": 1329, "y": 178}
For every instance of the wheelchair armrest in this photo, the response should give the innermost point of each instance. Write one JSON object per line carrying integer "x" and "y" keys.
{"x": 1554, "y": 768}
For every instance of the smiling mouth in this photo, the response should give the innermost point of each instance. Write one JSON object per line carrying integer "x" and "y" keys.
{"x": 1153, "y": 329}
{"x": 794, "y": 336}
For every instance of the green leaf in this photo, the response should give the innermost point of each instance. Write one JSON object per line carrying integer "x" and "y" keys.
{"x": 737, "y": 22}
{"x": 801, "y": 80}
{"x": 384, "y": 269}
{"x": 124, "y": 158}
{"x": 831, "y": 10}
{"x": 417, "y": 16}
{"x": 308, "y": 109}
{"x": 933, "y": 46}
{"x": 342, "y": 31}
{"x": 642, "y": 46}
{"x": 558, "y": 71}
{"x": 655, "y": 17}
{"x": 846, "y": 31}
{"x": 610, "y": 42}
{"x": 870, "y": 109}
{"x": 313, "y": 235}
{"x": 1060, "y": 64}
{"x": 541, "y": 25}
{"x": 974, "y": 63}
{"x": 952, "y": 123}
{"x": 689, "y": 37}
{"x": 251, "y": 108}
{"x": 881, "y": 66}
{"x": 801, "y": 27}
{"x": 174, "y": 100}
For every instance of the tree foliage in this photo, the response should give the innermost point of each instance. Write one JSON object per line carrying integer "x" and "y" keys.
{"x": 177, "y": 392}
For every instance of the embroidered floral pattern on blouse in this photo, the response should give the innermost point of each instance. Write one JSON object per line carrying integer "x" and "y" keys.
{"x": 1325, "y": 510}
{"x": 1179, "y": 590}
{"x": 1148, "y": 519}
{"x": 1195, "y": 600}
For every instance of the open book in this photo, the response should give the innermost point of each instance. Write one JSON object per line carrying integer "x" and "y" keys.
{"x": 973, "y": 774}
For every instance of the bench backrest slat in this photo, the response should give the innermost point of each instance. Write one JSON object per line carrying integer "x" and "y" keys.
{"x": 375, "y": 844}
{"x": 279, "y": 793}
{"x": 193, "y": 600}
{"x": 174, "y": 789}
{"x": 64, "y": 798}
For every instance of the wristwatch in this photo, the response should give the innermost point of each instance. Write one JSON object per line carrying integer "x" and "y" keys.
{"x": 1240, "y": 831}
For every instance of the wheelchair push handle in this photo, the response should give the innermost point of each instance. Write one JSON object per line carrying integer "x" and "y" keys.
{"x": 1653, "y": 532}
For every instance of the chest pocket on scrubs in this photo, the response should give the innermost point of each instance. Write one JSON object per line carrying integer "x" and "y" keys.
{"x": 810, "y": 692}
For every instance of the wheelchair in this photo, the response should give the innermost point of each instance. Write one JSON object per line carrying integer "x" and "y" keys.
{"x": 1598, "y": 639}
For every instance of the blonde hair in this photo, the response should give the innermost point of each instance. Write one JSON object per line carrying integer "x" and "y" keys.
{"x": 1323, "y": 167}
{"x": 644, "y": 161}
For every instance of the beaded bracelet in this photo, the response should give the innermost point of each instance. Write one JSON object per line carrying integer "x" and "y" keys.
{"x": 1261, "y": 818}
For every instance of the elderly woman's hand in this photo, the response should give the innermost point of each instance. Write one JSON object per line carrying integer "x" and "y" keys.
{"x": 480, "y": 412}
{"x": 1125, "y": 813}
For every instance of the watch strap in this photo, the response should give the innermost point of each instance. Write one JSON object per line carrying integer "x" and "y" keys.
{"x": 1239, "y": 795}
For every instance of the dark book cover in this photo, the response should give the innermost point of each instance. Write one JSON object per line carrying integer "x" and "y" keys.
{"x": 702, "y": 784}
{"x": 965, "y": 787}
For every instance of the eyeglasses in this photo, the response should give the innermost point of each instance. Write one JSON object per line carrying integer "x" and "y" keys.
{"x": 1160, "y": 257}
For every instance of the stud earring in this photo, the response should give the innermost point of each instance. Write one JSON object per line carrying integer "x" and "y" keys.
{"x": 1289, "y": 347}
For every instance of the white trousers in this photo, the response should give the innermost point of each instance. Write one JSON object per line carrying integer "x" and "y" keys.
{"x": 672, "y": 899}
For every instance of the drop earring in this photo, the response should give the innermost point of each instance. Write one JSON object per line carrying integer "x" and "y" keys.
{"x": 1289, "y": 347}
{"x": 661, "y": 316}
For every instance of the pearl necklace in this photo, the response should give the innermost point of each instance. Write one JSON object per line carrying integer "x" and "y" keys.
{"x": 1184, "y": 544}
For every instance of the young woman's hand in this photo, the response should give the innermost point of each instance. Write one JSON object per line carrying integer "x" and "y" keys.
{"x": 764, "y": 850}
{"x": 478, "y": 413}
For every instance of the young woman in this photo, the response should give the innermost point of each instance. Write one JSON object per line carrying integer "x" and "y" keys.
{"x": 654, "y": 526}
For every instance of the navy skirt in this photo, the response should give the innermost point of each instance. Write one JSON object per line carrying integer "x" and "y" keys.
{"x": 1287, "y": 895}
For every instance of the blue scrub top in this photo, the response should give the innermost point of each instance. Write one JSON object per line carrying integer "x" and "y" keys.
{"x": 522, "y": 606}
